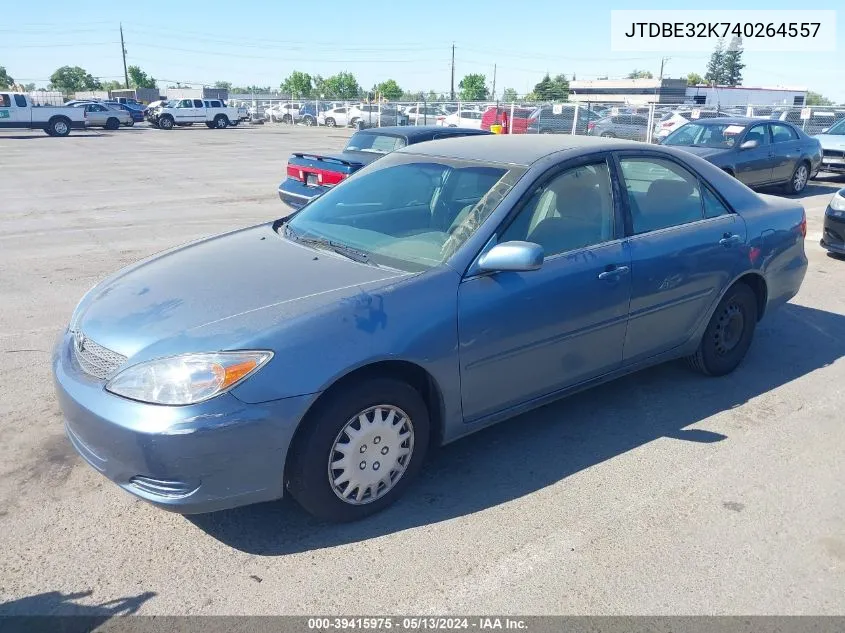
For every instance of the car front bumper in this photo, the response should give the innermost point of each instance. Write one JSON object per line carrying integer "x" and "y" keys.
{"x": 215, "y": 455}
{"x": 833, "y": 164}
{"x": 833, "y": 233}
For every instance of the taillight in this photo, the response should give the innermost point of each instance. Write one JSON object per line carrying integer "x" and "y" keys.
{"x": 803, "y": 225}
{"x": 295, "y": 172}
{"x": 331, "y": 177}
{"x": 591, "y": 125}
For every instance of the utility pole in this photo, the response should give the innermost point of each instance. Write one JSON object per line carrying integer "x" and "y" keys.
{"x": 494, "y": 81}
{"x": 452, "y": 96}
{"x": 123, "y": 50}
{"x": 663, "y": 60}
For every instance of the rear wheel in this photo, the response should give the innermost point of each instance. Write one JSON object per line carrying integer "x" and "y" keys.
{"x": 58, "y": 126}
{"x": 309, "y": 121}
{"x": 729, "y": 333}
{"x": 330, "y": 122}
{"x": 798, "y": 182}
{"x": 360, "y": 450}
{"x": 112, "y": 124}
{"x": 221, "y": 122}
{"x": 287, "y": 119}
{"x": 130, "y": 123}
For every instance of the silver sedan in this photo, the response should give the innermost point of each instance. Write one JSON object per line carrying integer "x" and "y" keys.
{"x": 101, "y": 115}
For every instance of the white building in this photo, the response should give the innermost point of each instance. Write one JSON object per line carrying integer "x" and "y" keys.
{"x": 722, "y": 96}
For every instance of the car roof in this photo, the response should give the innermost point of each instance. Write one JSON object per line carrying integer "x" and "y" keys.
{"x": 518, "y": 149}
{"x": 729, "y": 120}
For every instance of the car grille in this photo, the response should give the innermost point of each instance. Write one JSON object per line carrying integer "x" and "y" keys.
{"x": 94, "y": 359}
{"x": 834, "y": 153}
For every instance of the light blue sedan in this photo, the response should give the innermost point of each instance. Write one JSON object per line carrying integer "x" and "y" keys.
{"x": 447, "y": 286}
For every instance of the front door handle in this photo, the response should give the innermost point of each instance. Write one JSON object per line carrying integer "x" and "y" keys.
{"x": 729, "y": 239}
{"x": 613, "y": 272}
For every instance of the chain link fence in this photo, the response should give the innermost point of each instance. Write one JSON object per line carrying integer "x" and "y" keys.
{"x": 650, "y": 123}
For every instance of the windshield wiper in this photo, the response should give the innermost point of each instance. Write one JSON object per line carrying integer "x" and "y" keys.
{"x": 341, "y": 249}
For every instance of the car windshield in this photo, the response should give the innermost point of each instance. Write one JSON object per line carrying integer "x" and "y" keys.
{"x": 720, "y": 135}
{"x": 376, "y": 143}
{"x": 405, "y": 211}
{"x": 838, "y": 129}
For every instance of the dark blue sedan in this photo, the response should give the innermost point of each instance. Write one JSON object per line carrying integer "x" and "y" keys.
{"x": 310, "y": 175}
{"x": 445, "y": 287}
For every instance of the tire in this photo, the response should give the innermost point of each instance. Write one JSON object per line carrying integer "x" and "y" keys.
{"x": 729, "y": 333}
{"x": 287, "y": 118}
{"x": 165, "y": 122}
{"x": 234, "y": 123}
{"x": 799, "y": 179}
{"x": 58, "y": 126}
{"x": 209, "y": 125}
{"x": 309, "y": 469}
{"x": 359, "y": 124}
{"x": 608, "y": 135}
{"x": 330, "y": 122}
{"x": 221, "y": 122}
{"x": 353, "y": 123}
{"x": 130, "y": 123}
{"x": 112, "y": 124}
{"x": 309, "y": 121}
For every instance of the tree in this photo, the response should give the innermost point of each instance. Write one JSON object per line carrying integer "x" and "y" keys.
{"x": 390, "y": 90}
{"x": 223, "y": 85}
{"x": 716, "y": 65}
{"x": 112, "y": 85}
{"x": 298, "y": 84}
{"x": 474, "y": 87}
{"x": 549, "y": 89}
{"x": 30, "y": 87}
{"x": 73, "y": 79}
{"x": 694, "y": 79}
{"x": 139, "y": 79}
{"x": 509, "y": 95}
{"x": 640, "y": 74}
{"x": 342, "y": 86}
{"x": 5, "y": 80}
{"x": 732, "y": 64}
{"x": 816, "y": 99}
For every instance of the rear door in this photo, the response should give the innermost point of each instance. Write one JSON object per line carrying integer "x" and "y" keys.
{"x": 786, "y": 150}
{"x": 201, "y": 113}
{"x": 686, "y": 246}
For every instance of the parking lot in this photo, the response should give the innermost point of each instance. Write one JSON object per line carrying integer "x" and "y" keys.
{"x": 662, "y": 493}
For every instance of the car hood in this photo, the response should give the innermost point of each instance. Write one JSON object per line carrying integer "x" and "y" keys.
{"x": 218, "y": 292}
{"x": 831, "y": 141}
{"x": 704, "y": 152}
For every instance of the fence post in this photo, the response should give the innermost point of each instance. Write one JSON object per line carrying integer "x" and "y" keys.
{"x": 649, "y": 133}
{"x": 510, "y": 121}
{"x": 575, "y": 119}
{"x": 417, "y": 118}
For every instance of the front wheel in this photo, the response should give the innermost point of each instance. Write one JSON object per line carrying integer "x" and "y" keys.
{"x": 798, "y": 182}
{"x": 165, "y": 122}
{"x": 112, "y": 124}
{"x": 330, "y": 122}
{"x": 729, "y": 333}
{"x": 360, "y": 450}
{"x": 130, "y": 123}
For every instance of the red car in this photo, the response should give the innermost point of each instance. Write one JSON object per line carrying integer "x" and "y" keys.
{"x": 517, "y": 123}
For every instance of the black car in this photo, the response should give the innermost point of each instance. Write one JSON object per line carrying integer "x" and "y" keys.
{"x": 310, "y": 175}
{"x": 551, "y": 120}
{"x": 757, "y": 152}
{"x": 833, "y": 234}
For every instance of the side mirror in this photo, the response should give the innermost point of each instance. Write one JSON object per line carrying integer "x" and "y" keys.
{"x": 512, "y": 256}
{"x": 825, "y": 131}
{"x": 749, "y": 144}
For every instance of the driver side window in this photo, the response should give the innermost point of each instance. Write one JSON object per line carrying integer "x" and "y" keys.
{"x": 573, "y": 210}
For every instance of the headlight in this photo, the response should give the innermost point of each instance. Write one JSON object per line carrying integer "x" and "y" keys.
{"x": 186, "y": 379}
{"x": 837, "y": 203}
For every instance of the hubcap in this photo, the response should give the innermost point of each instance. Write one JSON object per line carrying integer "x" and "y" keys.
{"x": 729, "y": 329}
{"x": 61, "y": 127}
{"x": 800, "y": 179}
{"x": 370, "y": 454}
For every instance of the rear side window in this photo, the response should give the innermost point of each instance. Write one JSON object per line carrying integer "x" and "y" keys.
{"x": 20, "y": 101}
{"x": 661, "y": 194}
{"x": 782, "y": 133}
{"x": 215, "y": 104}
{"x": 198, "y": 103}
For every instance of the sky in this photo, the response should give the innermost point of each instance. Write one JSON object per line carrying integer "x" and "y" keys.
{"x": 259, "y": 43}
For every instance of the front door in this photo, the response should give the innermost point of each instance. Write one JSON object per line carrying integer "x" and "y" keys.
{"x": 523, "y": 335}
{"x": 185, "y": 111}
{"x": 686, "y": 246}
{"x": 754, "y": 166}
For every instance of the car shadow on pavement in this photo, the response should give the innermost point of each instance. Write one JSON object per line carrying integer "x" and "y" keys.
{"x": 543, "y": 447}
{"x": 41, "y": 612}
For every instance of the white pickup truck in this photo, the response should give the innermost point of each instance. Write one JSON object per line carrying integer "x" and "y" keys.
{"x": 213, "y": 112}
{"x": 18, "y": 111}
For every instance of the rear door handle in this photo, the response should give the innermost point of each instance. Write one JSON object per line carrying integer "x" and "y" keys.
{"x": 729, "y": 239}
{"x": 613, "y": 272}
